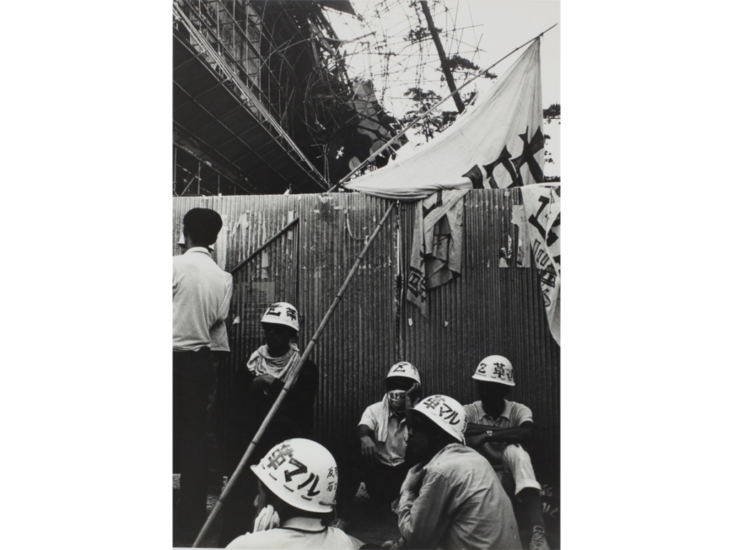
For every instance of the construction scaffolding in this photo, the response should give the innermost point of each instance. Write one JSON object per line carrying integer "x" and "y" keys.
{"x": 260, "y": 90}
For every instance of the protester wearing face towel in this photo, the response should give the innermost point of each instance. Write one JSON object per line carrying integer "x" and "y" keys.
{"x": 382, "y": 433}
{"x": 265, "y": 374}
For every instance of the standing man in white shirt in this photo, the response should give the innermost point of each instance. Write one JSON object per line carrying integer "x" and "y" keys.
{"x": 201, "y": 295}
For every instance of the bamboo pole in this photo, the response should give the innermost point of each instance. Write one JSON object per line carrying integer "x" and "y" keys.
{"x": 260, "y": 249}
{"x": 293, "y": 375}
{"x": 426, "y": 113}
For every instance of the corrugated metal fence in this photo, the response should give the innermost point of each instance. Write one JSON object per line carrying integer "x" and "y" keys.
{"x": 490, "y": 309}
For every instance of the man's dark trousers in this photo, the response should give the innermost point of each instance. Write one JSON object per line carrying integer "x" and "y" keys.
{"x": 193, "y": 381}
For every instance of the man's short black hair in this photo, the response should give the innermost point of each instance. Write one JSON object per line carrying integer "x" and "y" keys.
{"x": 202, "y": 225}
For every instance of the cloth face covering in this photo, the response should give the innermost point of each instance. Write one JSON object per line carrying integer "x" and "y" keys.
{"x": 261, "y": 362}
{"x": 396, "y": 400}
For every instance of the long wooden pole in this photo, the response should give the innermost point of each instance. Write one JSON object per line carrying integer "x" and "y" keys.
{"x": 248, "y": 259}
{"x": 426, "y": 113}
{"x": 294, "y": 374}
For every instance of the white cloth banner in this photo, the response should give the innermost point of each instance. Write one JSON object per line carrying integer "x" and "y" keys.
{"x": 496, "y": 143}
{"x": 542, "y": 210}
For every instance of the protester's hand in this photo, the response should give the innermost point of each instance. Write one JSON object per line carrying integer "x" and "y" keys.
{"x": 263, "y": 383}
{"x": 267, "y": 519}
{"x": 413, "y": 480}
{"x": 368, "y": 450}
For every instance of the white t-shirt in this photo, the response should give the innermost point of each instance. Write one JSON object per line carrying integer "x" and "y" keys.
{"x": 389, "y": 432}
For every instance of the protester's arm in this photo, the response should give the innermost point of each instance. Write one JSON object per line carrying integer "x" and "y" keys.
{"x": 267, "y": 384}
{"x": 368, "y": 447}
{"x": 232, "y": 313}
{"x": 423, "y": 508}
{"x": 304, "y": 389}
{"x": 226, "y": 303}
{"x": 478, "y": 434}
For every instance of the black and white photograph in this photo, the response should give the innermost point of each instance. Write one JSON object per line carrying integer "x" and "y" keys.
{"x": 358, "y": 203}
{"x": 366, "y": 274}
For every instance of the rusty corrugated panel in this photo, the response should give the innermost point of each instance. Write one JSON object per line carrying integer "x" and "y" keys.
{"x": 488, "y": 310}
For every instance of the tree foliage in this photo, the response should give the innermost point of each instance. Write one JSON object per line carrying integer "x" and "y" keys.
{"x": 461, "y": 64}
{"x": 418, "y": 34}
{"x": 437, "y": 120}
{"x": 552, "y": 113}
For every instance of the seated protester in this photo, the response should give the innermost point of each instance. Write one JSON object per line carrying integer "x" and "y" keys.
{"x": 497, "y": 428}
{"x": 297, "y": 489}
{"x": 450, "y": 499}
{"x": 268, "y": 368}
{"x": 382, "y": 433}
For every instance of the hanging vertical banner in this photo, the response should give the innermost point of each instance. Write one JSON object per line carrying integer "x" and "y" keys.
{"x": 542, "y": 211}
{"x": 437, "y": 244}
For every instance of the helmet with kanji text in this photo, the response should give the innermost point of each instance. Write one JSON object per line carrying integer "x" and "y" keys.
{"x": 447, "y": 413}
{"x": 302, "y": 473}
{"x": 495, "y": 368}
{"x": 403, "y": 369}
{"x": 282, "y": 313}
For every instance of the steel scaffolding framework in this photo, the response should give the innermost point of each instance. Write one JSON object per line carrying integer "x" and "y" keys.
{"x": 259, "y": 89}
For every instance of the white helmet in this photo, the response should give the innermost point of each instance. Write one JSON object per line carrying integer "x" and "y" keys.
{"x": 404, "y": 370}
{"x": 495, "y": 368}
{"x": 302, "y": 473}
{"x": 281, "y": 313}
{"x": 446, "y": 412}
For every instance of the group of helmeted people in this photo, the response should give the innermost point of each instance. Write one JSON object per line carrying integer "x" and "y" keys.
{"x": 442, "y": 467}
{"x": 447, "y": 469}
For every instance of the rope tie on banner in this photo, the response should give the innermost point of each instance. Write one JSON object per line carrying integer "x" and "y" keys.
{"x": 424, "y": 115}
